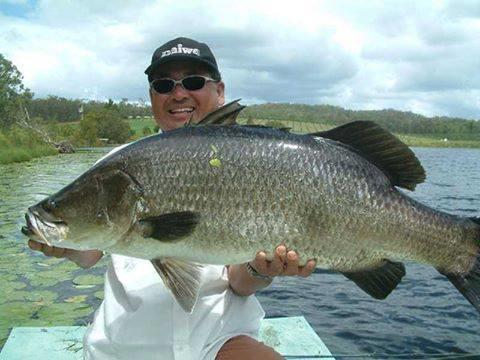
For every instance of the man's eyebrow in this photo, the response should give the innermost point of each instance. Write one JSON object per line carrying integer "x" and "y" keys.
{"x": 161, "y": 75}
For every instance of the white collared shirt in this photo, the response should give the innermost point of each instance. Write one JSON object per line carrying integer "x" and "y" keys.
{"x": 140, "y": 319}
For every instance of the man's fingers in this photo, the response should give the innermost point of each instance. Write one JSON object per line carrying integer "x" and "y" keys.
{"x": 46, "y": 250}
{"x": 34, "y": 245}
{"x": 291, "y": 264}
{"x": 260, "y": 263}
{"x": 308, "y": 268}
{"x": 59, "y": 252}
{"x": 276, "y": 266}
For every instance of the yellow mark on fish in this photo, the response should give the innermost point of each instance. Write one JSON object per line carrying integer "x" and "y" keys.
{"x": 215, "y": 161}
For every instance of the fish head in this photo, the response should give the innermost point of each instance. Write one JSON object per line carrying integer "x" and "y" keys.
{"x": 94, "y": 212}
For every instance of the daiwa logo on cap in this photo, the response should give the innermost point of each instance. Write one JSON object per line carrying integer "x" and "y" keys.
{"x": 179, "y": 49}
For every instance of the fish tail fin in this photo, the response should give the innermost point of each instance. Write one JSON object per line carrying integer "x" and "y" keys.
{"x": 469, "y": 283}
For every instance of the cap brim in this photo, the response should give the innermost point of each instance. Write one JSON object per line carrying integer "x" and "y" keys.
{"x": 156, "y": 64}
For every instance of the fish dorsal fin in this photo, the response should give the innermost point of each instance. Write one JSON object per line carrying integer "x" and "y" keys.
{"x": 182, "y": 278}
{"x": 383, "y": 149}
{"x": 225, "y": 115}
{"x": 381, "y": 281}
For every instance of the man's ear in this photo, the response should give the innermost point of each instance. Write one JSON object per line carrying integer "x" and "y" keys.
{"x": 221, "y": 93}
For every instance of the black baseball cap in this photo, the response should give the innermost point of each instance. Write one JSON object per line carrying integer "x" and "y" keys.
{"x": 183, "y": 48}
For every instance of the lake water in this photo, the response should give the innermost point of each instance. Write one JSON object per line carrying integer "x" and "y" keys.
{"x": 424, "y": 315}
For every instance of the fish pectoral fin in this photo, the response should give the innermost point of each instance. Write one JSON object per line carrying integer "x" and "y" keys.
{"x": 182, "y": 278}
{"x": 381, "y": 281}
{"x": 381, "y": 148}
{"x": 225, "y": 115}
{"x": 169, "y": 227}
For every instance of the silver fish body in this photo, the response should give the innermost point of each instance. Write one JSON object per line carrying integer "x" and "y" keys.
{"x": 219, "y": 194}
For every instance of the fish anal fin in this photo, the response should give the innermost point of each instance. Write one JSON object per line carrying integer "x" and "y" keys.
{"x": 182, "y": 278}
{"x": 379, "y": 282}
{"x": 169, "y": 227}
{"x": 225, "y": 115}
{"x": 381, "y": 148}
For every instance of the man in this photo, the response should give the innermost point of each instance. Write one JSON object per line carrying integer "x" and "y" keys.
{"x": 138, "y": 317}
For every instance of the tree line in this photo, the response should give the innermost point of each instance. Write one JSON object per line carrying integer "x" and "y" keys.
{"x": 54, "y": 109}
{"x": 393, "y": 120}
{"x": 60, "y": 109}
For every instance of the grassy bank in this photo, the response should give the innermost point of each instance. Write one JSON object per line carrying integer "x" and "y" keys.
{"x": 19, "y": 145}
{"x": 428, "y": 141}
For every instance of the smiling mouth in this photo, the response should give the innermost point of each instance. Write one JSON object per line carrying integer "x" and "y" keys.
{"x": 186, "y": 110}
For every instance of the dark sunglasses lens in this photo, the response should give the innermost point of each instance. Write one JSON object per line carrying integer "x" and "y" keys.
{"x": 163, "y": 86}
{"x": 193, "y": 83}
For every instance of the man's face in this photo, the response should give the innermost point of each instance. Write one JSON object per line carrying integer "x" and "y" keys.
{"x": 174, "y": 109}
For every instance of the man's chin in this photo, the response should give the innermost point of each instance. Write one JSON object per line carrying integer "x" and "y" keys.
{"x": 176, "y": 121}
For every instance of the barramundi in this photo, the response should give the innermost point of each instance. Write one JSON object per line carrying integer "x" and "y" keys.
{"x": 218, "y": 192}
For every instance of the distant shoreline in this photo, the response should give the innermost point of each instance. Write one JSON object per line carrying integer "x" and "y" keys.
{"x": 10, "y": 156}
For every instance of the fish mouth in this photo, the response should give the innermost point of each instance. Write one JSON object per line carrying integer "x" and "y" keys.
{"x": 43, "y": 227}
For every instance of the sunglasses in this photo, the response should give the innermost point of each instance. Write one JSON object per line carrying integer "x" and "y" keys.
{"x": 190, "y": 83}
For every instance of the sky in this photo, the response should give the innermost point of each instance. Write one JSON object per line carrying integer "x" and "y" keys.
{"x": 419, "y": 56}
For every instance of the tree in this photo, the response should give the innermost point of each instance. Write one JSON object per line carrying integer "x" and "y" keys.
{"x": 88, "y": 130}
{"x": 13, "y": 93}
{"x": 108, "y": 124}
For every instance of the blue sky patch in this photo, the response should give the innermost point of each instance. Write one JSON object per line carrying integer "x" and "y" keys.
{"x": 21, "y": 9}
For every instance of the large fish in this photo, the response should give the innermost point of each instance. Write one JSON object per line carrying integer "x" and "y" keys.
{"x": 217, "y": 193}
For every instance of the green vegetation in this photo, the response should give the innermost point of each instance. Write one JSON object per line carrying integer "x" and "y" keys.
{"x": 21, "y": 145}
{"x": 37, "y": 297}
{"x": 430, "y": 141}
{"x": 59, "y": 109}
{"x": 105, "y": 123}
{"x": 399, "y": 122}
{"x": 420, "y": 140}
{"x": 42, "y": 293}
{"x": 140, "y": 125}
{"x": 12, "y": 92}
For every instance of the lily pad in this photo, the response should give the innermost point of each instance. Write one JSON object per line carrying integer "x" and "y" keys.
{"x": 64, "y": 313}
{"x": 88, "y": 280}
{"x": 53, "y": 275}
{"x": 44, "y": 296}
{"x": 99, "y": 294}
{"x": 76, "y": 299}
{"x": 37, "y": 297}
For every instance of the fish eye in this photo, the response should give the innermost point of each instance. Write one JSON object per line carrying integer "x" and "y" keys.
{"x": 50, "y": 205}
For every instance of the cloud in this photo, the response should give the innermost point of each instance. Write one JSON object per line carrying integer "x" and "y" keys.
{"x": 409, "y": 55}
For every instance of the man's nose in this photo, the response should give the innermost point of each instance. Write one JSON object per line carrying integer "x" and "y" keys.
{"x": 179, "y": 92}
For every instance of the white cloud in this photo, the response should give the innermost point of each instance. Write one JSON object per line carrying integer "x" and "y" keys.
{"x": 408, "y": 55}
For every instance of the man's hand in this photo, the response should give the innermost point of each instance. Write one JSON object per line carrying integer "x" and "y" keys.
{"x": 284, "y": 263}
{"x": 84, "y": 259}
